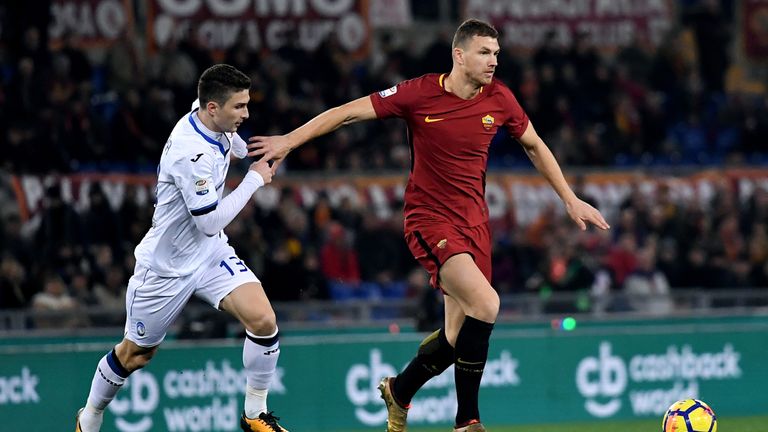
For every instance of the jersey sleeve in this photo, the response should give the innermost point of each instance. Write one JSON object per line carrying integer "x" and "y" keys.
{"x": 396, "y": 100}
{"x": 193, "y": 175}
{"x": 239, "y": 149}
{"x": 517, "y": 120}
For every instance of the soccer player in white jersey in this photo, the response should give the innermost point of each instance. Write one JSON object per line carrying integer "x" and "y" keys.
{"x": 186, "y": 253}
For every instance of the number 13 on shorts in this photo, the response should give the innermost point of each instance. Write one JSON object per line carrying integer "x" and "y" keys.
{"x": 236, "y": 262}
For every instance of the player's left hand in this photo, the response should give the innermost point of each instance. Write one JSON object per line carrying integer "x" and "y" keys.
{"x": 581, "y": 213}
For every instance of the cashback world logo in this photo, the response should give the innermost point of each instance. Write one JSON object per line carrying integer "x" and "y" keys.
{"x": 652, "y": 381}
{"x": 205, "y": 399}
{"x": 435, "y": 402}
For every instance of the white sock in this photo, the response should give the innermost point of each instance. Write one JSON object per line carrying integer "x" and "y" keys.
{"x": 255, "y": 401}
{"x": 107, "y": 381}
{"x": 260, "y": 354}
{"x": 91, "y": 418}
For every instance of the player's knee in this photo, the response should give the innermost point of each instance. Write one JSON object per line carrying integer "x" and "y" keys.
{"x": 261, "y": 324}
{"x": 488, "y": 309}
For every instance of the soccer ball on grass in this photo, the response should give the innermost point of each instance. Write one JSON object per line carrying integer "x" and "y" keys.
{"x": 689, "y": 415}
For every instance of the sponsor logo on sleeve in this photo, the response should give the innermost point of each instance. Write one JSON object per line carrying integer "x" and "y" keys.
{"x": 202, "y": 186}
{"x": 388, "y": 92}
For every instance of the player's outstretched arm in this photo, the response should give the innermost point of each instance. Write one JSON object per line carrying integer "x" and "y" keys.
{"x": 545, "y": 162}
{"x": 259, "y": 174}
{"x": 276, "y": 148}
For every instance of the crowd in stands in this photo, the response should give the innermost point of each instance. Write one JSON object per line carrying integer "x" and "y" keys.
{"x": 682, "y": 102}
{"x": 644, "y": 106}
{"x": 656, "y": 245}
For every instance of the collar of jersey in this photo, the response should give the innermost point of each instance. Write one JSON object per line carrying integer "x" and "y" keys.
{"x": 202, "y": 134}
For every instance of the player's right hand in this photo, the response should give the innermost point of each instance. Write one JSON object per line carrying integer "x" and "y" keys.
{"x": 272, "y": 148}
{"x": 262, "y": 167}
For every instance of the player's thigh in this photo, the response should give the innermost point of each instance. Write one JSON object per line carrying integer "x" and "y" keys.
{"x": 227, "y": 283}
{"x": 249, "y": 304}
{"x": 152, "y": 304}
{"x": 461, "y": 279}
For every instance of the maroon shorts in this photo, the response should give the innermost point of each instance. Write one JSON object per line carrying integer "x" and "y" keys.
{"x": 434, "y": 242}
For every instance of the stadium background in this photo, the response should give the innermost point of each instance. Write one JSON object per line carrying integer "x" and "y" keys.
{"x": 657, "y": 110}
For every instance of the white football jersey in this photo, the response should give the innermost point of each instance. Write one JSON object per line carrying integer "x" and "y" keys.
{"x": 190, "y": 181}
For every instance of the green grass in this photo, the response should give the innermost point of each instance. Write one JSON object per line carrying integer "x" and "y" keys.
{"x": 740, "y": 424}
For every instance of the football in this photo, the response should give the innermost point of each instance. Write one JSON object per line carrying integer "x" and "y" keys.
{"x": 689, "y": 415}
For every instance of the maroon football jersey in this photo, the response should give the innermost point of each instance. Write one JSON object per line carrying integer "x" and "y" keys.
{"x": 449, "y": 139}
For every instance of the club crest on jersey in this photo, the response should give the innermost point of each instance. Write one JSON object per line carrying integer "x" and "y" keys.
{"x": 201, "y": 186}
{"x": 388, "y": 92}
{"x": 488, "y": 121}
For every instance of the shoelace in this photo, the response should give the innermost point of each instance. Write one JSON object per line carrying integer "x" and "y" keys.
{"x": 270, "y": 419}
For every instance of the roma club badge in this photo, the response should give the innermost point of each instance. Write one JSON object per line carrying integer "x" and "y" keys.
{"x": 488, "y": 121}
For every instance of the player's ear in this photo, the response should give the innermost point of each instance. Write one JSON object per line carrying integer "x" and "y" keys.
{"x": 458, "y": 55}
{"x": 212, "y": 107}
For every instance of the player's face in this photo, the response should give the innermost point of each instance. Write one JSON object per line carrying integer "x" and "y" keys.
{"x": 481, "y": 56}
{"x": 233, "y": 113}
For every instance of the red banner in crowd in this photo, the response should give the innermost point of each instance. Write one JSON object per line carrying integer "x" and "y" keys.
{"x": 755, "y": 28}
{"x": 95, "y": 23}
{"x": 608, "y": 23}
{"x": 261, "y": 24}
{"x": 521, "y": 197}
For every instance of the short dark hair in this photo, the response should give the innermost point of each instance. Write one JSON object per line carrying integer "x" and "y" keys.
{"x": 473, "y": 27}
{"x": 218, "y": 82}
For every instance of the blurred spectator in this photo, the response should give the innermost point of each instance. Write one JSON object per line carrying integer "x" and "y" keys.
{"x": 125, "y": 63}
{"x": 110, "y": 295}
{"x": 60, "y": 225}
{"x": 82, "y": 290}
{"x": 54, "y": 298}
{"x": 377, "y": 246}
{"x": 647, "y": 287}
{"x": 14, "y": 287}
{"x": 339, "y": 263}
{"x": 622, "y": 258}
{"x": 99, "y": 211}
{"x": 565, "y": 271}
{"x": 712, "y": 29}
{"x": 80, "y": 67}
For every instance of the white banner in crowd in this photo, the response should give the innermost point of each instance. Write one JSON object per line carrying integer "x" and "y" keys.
{"x": 608, "y": 24}
{"x": 522, "y": 196}
{"x": 261, "y": 24}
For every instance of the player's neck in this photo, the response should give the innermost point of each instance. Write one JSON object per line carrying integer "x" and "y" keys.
{"x": 462, "y": 88}
{"x": 207, "y": 121}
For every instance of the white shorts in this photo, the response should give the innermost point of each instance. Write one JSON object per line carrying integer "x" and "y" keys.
{"x": 153, "y": 302}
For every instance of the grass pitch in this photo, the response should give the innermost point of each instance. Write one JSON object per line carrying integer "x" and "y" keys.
{"x": 731, "y": 424}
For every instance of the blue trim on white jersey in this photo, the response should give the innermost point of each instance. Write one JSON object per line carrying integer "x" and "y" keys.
{"x": 204, "y": 210}
{"x": 207, "y": 138}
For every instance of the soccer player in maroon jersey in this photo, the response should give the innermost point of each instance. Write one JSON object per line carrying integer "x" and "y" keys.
{"x": 451, "y": 120}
